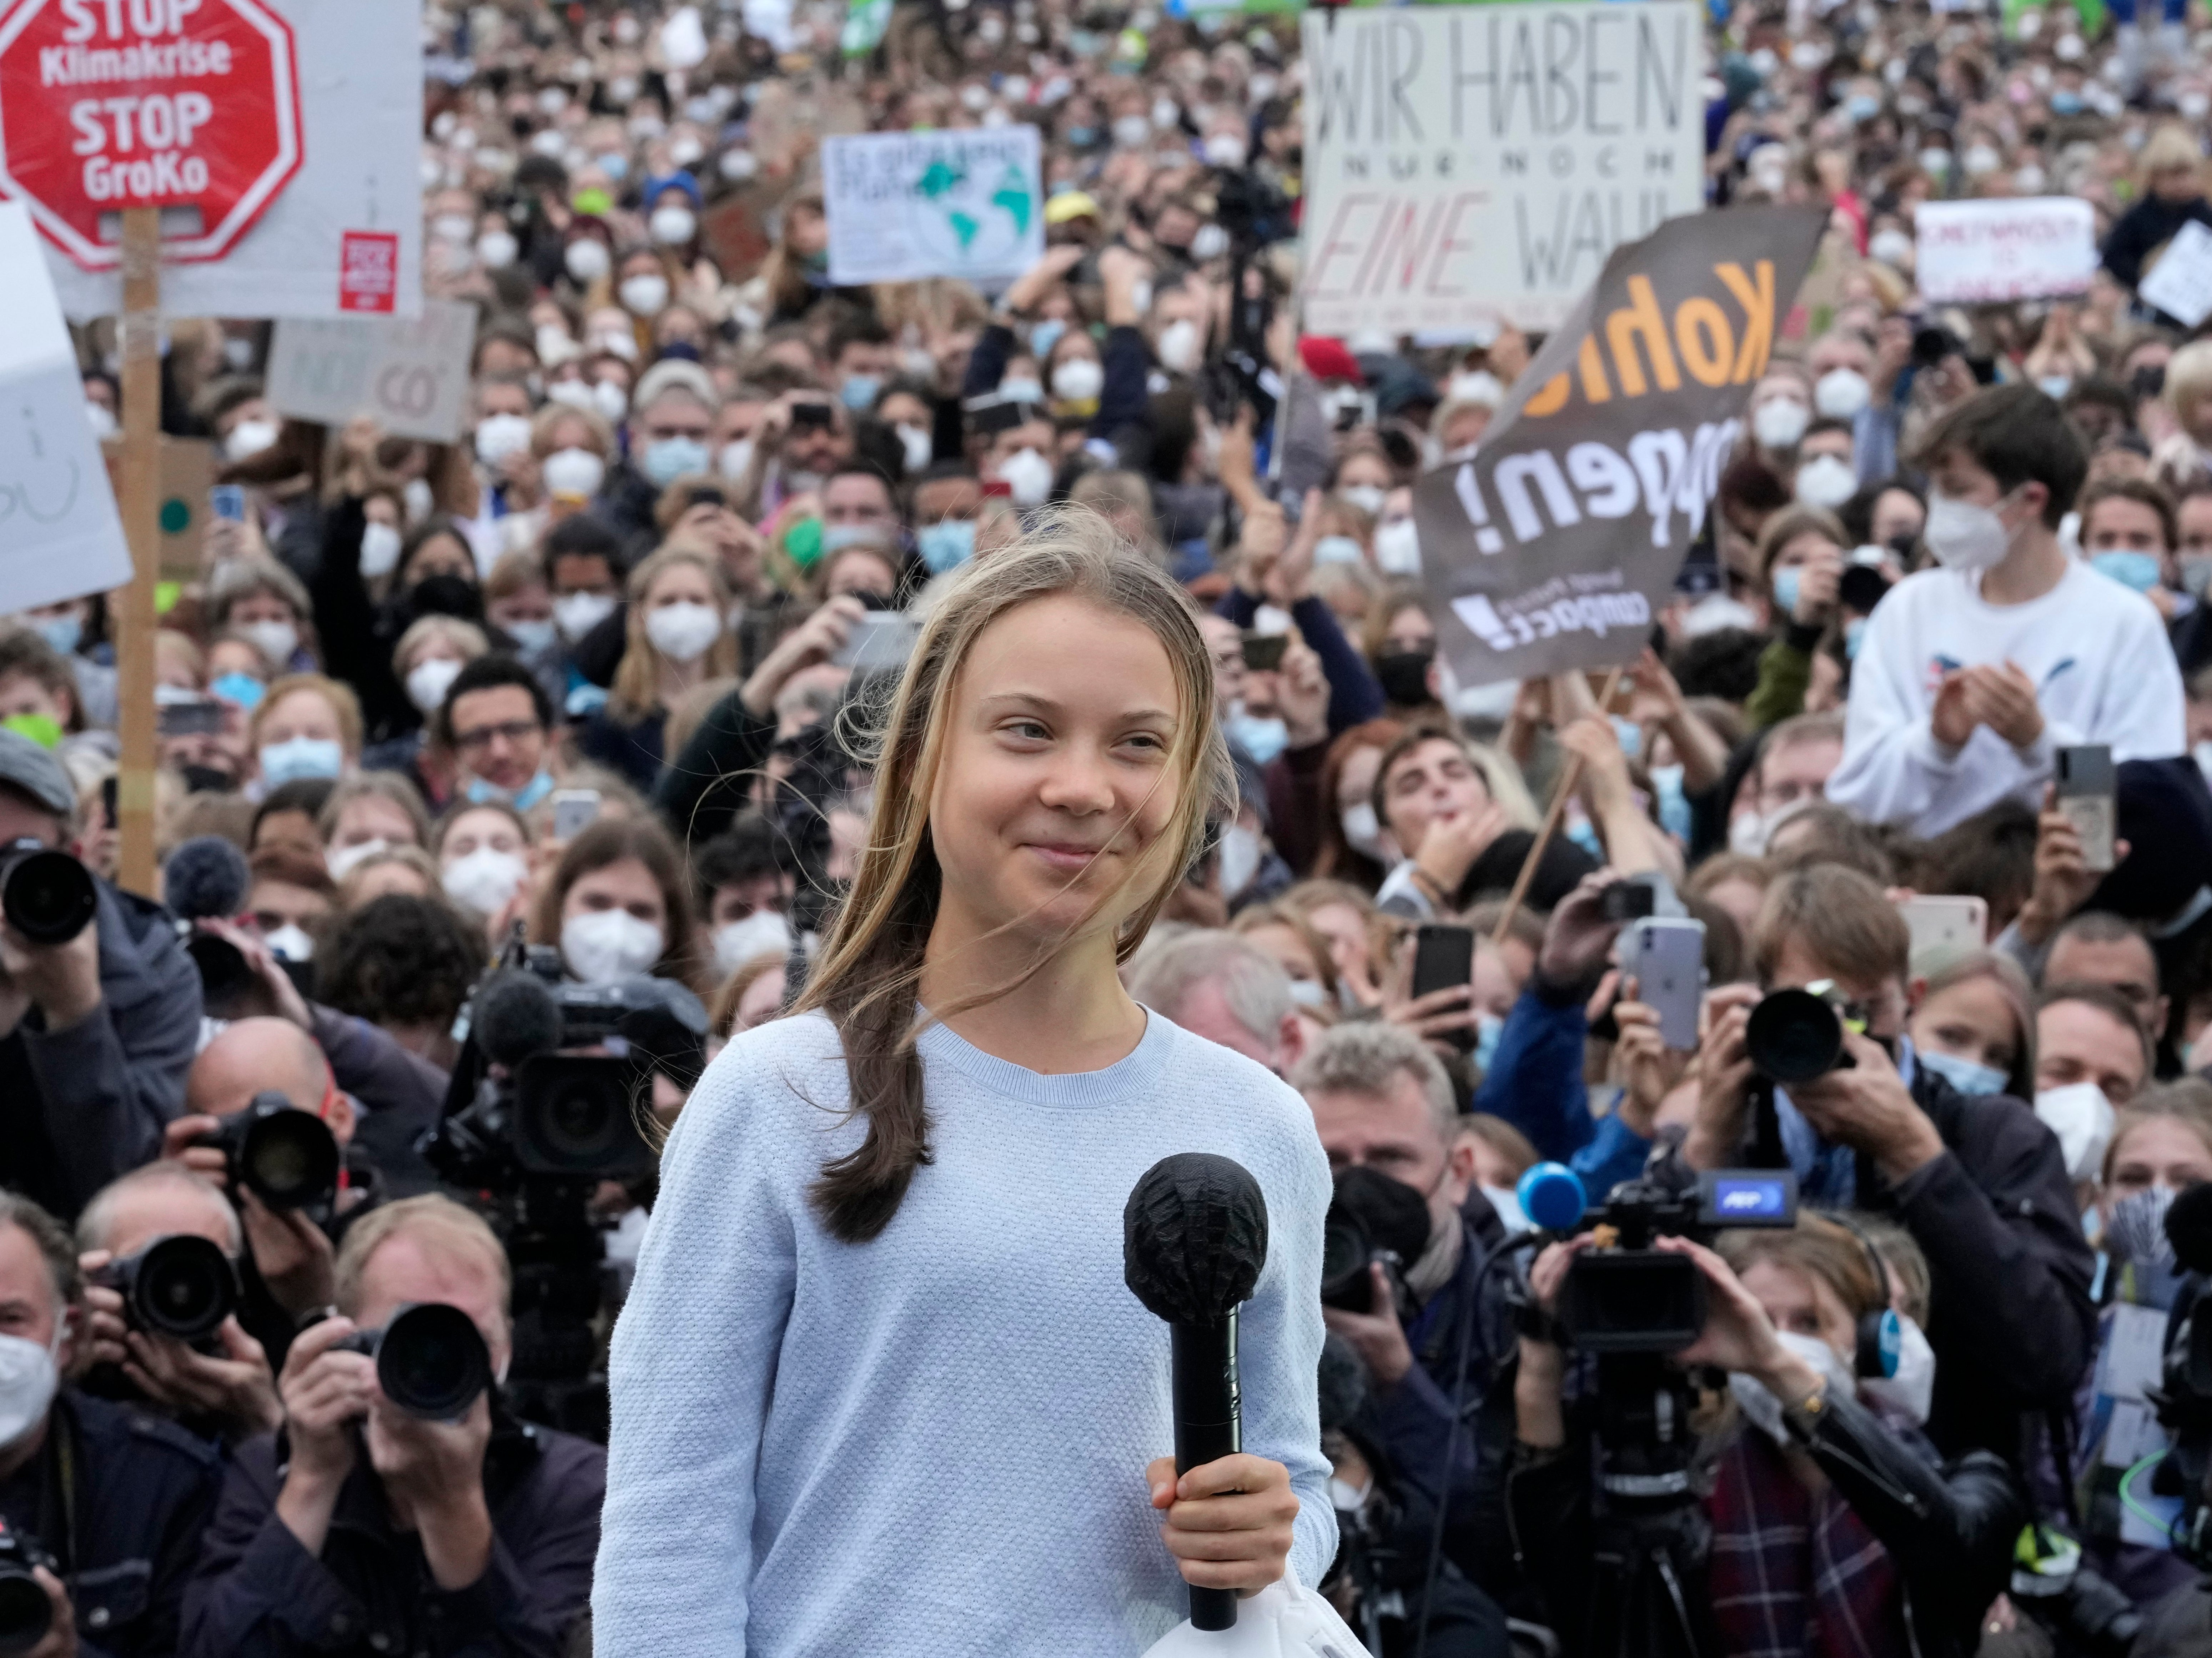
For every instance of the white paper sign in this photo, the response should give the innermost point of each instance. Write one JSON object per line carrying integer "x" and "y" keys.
{"x": 2180, "y": 283}
{"x": 1466, "y": 162}
{"x": 411, "y": 378}
{"x": 2031, "y": 248}
{"x": 346, "y": 233}
{"x": 61, "y": 536}
{"x": 907, "y": 205}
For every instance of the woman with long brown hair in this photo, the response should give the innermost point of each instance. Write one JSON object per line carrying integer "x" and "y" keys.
{"x": 880, "y": 1333}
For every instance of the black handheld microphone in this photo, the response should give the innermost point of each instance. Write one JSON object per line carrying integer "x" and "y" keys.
{"x": 1194, "y": 1239}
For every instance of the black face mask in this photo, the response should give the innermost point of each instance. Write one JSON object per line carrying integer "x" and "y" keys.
{"x": 206, "y": 780}
{"x": 446, "y": 595}
{"x": 877, "y": 601}
{"x": 1405, "y": 677}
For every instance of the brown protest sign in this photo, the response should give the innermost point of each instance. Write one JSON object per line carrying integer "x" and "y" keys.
{"x": 1552, "y": 547}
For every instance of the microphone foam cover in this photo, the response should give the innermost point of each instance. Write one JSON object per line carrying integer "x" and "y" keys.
{"x": 515, "y": 1016}
{"x": 1194, "y": 1237}
{"x": 205, "y": 879}
{"x": 2189, "y": 1227}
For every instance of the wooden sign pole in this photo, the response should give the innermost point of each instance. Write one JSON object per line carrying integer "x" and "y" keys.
{"x": 141, "y": 336}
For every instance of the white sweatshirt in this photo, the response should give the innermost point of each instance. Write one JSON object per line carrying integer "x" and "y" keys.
{"x": 2103, "y": 671}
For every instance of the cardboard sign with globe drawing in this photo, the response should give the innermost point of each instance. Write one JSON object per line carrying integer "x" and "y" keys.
{"x": 907, "y": 205}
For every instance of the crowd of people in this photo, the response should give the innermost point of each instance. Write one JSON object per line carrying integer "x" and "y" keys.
{"x": 601, "y": 677}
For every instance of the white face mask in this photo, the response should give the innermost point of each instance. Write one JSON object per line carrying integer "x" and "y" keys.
{"x": 1028, "y": 475}
{"x": 736, "y": 459}
{"x": 737, "y": 943}
{"x": 1780, "y": 422}
{"x": 672, "y": 226}
{"x": 342, "y": 861}
{"x": 249, "y": 437}
{"x": 1840, "y": 394}
{"x": 1240, "y": 858}
{"x": 379, "y": 550}
{"x": 496, "y": 250}
{"x": 916, "y": 446}
{"x": 1398, "y": 548}
{"x": 646, "y": 296}
{"x": 1362, "y": 832}
{"x": 1965, "y": 535}
{"x": 498, "y": 437}
{"x": 1893, "y": 248}
{"x": 608, "y": 396}
{"x": 484, "y": 879}
{"x": 101, "y": 419}
{"x": 682, "y": 632}
{"x": 605, "y": 945}
{"x": 1182, "y": 347}
{"x": 575, "y": 473}
{"x": 1078, "y": 379}
{"x": 2081, "y": 1117}
{"x": 420, "y": 500}
{"x": 1826, "y": 481}
{"x": 1765, "y": 1410}
{"x": 28, "y": 1378}
{"x": 1904, "y": 1398}
{"x": 428, "y": 681}
{"x": 291, "y": 943}
{"x": 587, "y": 259}
{"x": 577, "y": 614}
{"x": 275, "y": 640}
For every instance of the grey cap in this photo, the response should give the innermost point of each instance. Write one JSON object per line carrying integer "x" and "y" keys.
{"x": 675, "y": 373}
{"x": 32, "y": 770}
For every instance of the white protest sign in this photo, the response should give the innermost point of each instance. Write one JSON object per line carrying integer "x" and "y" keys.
{"x": 907, "y": 205}
{"x": 2028, "y": 248}
{"x": 410, "y": 377}
{"x": 60, "y": 534}
{"x": 2180, "y": 283}
{"x": 1481, "y": 161}
{"x": 343, "y": 234}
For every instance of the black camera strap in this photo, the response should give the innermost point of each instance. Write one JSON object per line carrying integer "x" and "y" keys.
{"x": 58, "y": 1492}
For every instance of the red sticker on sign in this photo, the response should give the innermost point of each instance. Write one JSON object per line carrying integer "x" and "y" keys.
{"x": 369, "y": 272}
{"x": 108, "y": 105}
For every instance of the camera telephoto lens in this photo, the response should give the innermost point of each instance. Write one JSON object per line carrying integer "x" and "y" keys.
{"x": 47, "y": 897}
{"x": 26, "y": 1614}
{"x": 289, "y": 1158}
{"x": 1346, "y": 1281}
{"x": 431, "y": 1362}
{"x": 1793, "y": 1037}
{"x": 180, "y": 1286}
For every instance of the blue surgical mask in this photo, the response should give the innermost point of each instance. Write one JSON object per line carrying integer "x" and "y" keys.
{"x": 859, "y": 391}
{"x": 1629, "y": 735}
{"x": 242, "y": 688}
{"x": 946, "y": 546}
{"x": 2055, "y": 385}
{"x": 1488, "y": 1028}
{"x": 2065, "y": 101}
{"x": 2139, "y": 571}
{"x": 482, "y": 794}
{"x": 301, "y": 757}
{"x": 1262, "y": 738}
{"x": 1967, "y": 1076}
{"x": 1045, "y": 336}
{"x": 1021, "y": 390}
{"x": 1787, "y": 583}
{"x": 1674, "y": 804}
{"x": 64, "y": 633}
{"x": 1863, "y": 107}
{"x": 835, "y": 537}
{"x": 1337, "y": 550}
{"x": 531, "y": 636}
{"x": 674, "y": 457}
{"x": 1854, "y": 636}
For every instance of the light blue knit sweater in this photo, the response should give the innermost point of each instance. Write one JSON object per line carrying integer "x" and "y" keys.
{"x": 935, "y": 1443}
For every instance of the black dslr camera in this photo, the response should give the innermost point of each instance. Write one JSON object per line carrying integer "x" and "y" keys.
{"x": 287, "y": 1158}
{"x": 48, "y": 896}
{"x": 431, "y": 1360}
{"x": 1624, "y": 1296}
{"x": 26, "y": 1614}
{"x": 1371, "y": 1218}
{"x": 1795, "y": 1036}
{"x": 179, "y": 1286}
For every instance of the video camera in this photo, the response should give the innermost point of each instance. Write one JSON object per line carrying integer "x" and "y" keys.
{"x": 431, "y": 1360}
{"x": 48, "y": 896}
{"x": 287, "y": 1158}
{"x": 26, "y": 1614}
{"x": 178, "y": 1285}
{"x": 1624, "y": 1296}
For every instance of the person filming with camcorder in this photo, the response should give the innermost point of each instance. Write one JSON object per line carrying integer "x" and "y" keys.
{"x": 1807, "y": 1515}
{"x": 401, "y": 1508}
{"x": 99, "y": 1009}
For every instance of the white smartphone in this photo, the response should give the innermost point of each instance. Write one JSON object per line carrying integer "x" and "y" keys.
{"x": 575, "y": 811}
{"x": 881, "y": 642}
{"x": 1666, "y": 955}
{"x": 1944, "y": 926}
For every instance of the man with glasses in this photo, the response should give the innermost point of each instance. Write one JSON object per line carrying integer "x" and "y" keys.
{"x": 496, "y": 722}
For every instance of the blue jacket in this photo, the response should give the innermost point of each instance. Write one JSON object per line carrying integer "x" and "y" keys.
{"x": 1535, "y": 1082}
{"x": 1355, "y": 694}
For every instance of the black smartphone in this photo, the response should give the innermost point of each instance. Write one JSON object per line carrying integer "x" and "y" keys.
{"x": 107, "y": 802}
{"x": 201, "y": 717}
{"x": 812, "y": 413}
{"x": 1627, "y": 901}
{"x": 1263, "y": 652}
{"x": 1444, "y": 955}
{"x": 708, "y": 494}
{"x": 1861, "y": 587}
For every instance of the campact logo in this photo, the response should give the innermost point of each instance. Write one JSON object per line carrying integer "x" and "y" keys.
{"x": 1552, "y": 609}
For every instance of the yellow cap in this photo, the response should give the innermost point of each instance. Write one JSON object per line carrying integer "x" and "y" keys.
{"x": 1069, "y": 205}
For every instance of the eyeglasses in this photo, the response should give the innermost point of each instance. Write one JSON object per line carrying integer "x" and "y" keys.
{"x": 513, "y": 731}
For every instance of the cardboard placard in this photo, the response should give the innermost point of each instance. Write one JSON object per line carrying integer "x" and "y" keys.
{"x": 410, "y": 377}
{"x": 903, "y": 206}
{"x": 2030, "y": 247}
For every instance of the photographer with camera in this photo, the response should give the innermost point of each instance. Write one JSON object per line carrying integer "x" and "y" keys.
{"x": 103, "y": 1505}
{"x": 373, "y": 1523}
{"x": 1822, "y": 1528}
{"x": 1979, "y": 1183}
{"x": 160, "y": 1322}
{"x": 100, "y": 1007}
{"x": 1428, "y": 1328}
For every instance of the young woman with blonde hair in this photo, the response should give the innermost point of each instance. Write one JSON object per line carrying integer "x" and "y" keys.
{"x": 879, "y": 1387}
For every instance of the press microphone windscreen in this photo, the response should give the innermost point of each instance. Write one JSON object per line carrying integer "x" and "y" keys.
{"x": 205, "y": 879}
{"x": 1194, "y": 1237}
{"x": 2189, "y": 1227}
{"x": 515, "y": 1016}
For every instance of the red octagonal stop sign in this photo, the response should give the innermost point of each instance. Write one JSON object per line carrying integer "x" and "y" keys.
{"x": 112, "y": 104}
